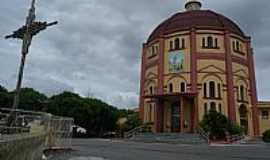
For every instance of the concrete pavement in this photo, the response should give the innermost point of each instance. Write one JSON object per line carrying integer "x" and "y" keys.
{"x": 100, "y": 149}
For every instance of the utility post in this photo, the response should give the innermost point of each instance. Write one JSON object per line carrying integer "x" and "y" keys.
{"x": 25, "y": 33}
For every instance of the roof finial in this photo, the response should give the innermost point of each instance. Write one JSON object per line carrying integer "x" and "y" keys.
{"x": 192, "y": 5}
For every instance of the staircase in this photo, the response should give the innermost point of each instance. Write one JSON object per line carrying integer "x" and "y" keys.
{"x": 172, "y": 138}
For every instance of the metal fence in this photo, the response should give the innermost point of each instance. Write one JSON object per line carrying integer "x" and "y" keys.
{"x": 58, "y": 130}
{"x": 60, "y": 133}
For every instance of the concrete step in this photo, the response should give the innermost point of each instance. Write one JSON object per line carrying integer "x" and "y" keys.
{"x": 251, "y": 140}
{"x": 175, "y": 138}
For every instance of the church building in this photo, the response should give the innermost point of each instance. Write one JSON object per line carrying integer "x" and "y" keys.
{"x": 195, "y": 61}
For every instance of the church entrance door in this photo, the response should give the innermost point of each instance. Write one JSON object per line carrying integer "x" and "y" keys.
{"x": 175, "y": 117}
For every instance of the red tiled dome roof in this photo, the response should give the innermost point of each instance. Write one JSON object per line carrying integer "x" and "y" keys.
{"x": 201, "y": 19}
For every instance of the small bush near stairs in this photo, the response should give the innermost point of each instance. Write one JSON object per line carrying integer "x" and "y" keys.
{"x": 219, "y": 126}
{"x": 266, "y": 136}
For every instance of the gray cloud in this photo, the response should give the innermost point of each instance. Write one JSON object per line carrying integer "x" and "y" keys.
{"x": 95, "y": 50}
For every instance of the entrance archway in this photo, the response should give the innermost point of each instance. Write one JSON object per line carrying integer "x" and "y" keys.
{"x": 243, "y": 117}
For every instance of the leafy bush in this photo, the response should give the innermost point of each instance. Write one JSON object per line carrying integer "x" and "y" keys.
{"x": 266, "y": 136}
{"x": 235, "y": 129}
{"x": 217, "y": 125}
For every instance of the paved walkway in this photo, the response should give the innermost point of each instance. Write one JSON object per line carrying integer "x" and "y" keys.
{"x": 100, "y": 149}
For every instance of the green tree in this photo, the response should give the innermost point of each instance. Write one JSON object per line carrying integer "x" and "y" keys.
{"x": 132, "y": 121}
{"x": 31, "y": 99}
{"x": 3, "y": 89}
{"x": 94, "y": 115}
{"x": 5, "y": 97}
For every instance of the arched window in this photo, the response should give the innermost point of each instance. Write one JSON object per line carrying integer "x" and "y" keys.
{"x": 205, "y": 90}
{"x": 183, "y": 43}
{"x": 212, "y": 89}
{"x": 213, "y": 106}
{"x": 210, "y": 42}
{"x": 182, "y": 87}
{"x": 171, "y": 45}
{"x": 170, "y": 87}
{"x": 220, "y": 108}
{"x": 203, "y": 43}
{"x": 205, "y": 109}
{"x": 151, "y": 90}
{"x": 242, "y": 93}
{"x": 177, "y": 43}
{"x": 216, "y": 43}
{"x": 219, "y": 90}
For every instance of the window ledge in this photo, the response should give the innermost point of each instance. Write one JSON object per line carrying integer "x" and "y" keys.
{"x": 205, "y": 47}
{"x": 239, "y": 52}
{"x": 170, "y": 50}
{"x": 213, "y": 98}
{"x": 242, "y": 101}
{"x": 152, "y": 56}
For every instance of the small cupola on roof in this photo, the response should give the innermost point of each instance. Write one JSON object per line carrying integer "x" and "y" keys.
{"x": 192, "y": 5}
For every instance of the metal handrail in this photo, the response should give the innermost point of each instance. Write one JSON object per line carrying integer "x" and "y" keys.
{"x": 203, "y": 134}
{"x": 141, "y": 129}
{"x": 234, "y": 138}
{"x": 13, "y": 130}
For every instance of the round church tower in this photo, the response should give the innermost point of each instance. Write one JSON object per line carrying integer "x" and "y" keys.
{"x": 195, "y": 61}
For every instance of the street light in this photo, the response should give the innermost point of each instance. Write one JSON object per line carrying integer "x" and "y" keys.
{"x": 25, "y": 33}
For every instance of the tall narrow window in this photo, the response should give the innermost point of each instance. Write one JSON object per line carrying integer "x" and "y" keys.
{"x": 213, "y": 106}
{"x": 243, "y": 111}
{"x": 153, "y": 50}
{"x": 265, "y": 114}
{"x": 205, "y": 109}
{"x": 205, "y": 90}
{"x": 210, "y": 42}
{"x": 220, "y": 108}
{"x": 240, "y": 47}
{"x": 234, "y": 45}
{"x": 203, "y": 43}
{"x": 171, "y": 45}
{"x": 183, "y": 43}
{"x": 212, "y": 89}
{"x": 177, "y": 43}
{"x": 150, "y": 113}
{"x": 237, "y": 46}
{"x": 171, "y": 87}
{"x": 151, "y": 90}
{"x": 157, "y": 49}
{"x": 183, "y": 87}
{"x": 219, "y": 90}
{"x": 216, "y": 43}
{"x": 242, "y": 93}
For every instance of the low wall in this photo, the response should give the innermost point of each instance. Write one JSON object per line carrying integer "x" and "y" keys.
{"x": 22, "y": 147}
{"x": 45, "y": 132}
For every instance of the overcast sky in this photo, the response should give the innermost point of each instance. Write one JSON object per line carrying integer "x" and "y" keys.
{"x": 95, "y": 50}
